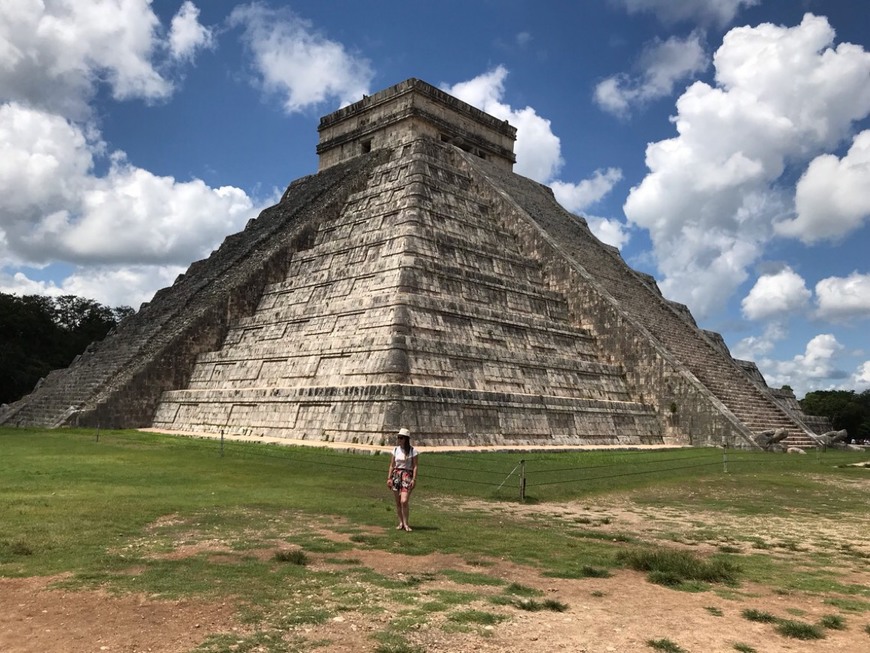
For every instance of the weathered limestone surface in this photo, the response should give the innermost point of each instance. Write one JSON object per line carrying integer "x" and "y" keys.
{"x": 416, "y": 281}
{"x": 413, "y": 308}
{"x": 410, "y": 110}
{"x": 698, "y": 390}
{"x": 118, "y": 383}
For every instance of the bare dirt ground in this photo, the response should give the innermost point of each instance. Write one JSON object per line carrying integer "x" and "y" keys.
{"x": 620, "y": 613}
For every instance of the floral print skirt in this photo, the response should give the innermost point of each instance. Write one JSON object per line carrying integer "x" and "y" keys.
{"x": 400, "y": 480}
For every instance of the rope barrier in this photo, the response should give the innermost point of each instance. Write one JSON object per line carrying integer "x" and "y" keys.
{"x": 637, "y": 473}
{"x": 648, "y": 460}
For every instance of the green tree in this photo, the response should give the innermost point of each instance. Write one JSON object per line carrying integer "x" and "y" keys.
{"x": 39, "y": 334}
{"x": 846, "y": 410}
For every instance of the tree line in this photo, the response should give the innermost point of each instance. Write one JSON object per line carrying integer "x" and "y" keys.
{"x": 39, "y": 334}
{"x": 846, "y": 409}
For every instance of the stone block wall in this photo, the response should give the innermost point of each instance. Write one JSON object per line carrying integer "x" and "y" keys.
{"x": 119, "y": 382}
{"x": 412, "y": 308}
{"x": 699, "y": 393}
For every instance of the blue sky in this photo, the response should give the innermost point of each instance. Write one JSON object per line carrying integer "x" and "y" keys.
{"x": 722, "y": 145}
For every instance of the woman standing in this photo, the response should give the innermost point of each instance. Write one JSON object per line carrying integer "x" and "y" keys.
{"x": 402, "y": 476}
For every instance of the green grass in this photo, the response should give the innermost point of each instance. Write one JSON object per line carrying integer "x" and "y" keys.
{"x": 247, "y": 522}
{"x": 516, "y": 589}
{"x": 758, "y": 615}
{"x": 665, "y": 645}
{"x": 467, "y": 578}
{"x": 674, "y": 568}
{"x": 832, "y": 622}
{"x": 798, "y": 630}
{"x": 478, "y": 617}
{"x": 849, "y": 604}
{"x": 744, "y": 648}
{"x": 294, "y": 557}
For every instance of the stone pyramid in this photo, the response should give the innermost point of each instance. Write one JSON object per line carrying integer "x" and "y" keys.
{"x": 415, "y": 281}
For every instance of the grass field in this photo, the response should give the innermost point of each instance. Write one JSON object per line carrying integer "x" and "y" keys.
{"x": 132, "y": 512}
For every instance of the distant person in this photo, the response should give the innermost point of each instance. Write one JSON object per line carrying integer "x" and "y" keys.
{"x": 402, "y": 476}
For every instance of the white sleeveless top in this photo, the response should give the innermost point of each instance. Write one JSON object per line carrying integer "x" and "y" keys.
{"x": 402, "y": 461}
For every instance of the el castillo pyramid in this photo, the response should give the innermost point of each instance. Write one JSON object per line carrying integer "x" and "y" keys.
{"x": 416, "y": 281}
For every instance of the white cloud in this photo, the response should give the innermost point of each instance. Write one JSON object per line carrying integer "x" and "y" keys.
{"x": 833, "y": 195}
{"x": 538, "y": 152}
{"x": 580, "y": 196}
{"x": 124, "y": 233}
{"x": 844, "y": 297}
{"x": 776, "y": 295}
{"x": 134, "y": 216}
{"x": 538, "y": 149}
{"x": 711, "y": 195}
{"x": 817, "y": 368}
{"x": 720, "y": 12}
{"x": 120, "y": 285}
{"x": 52, "y": 54}
{"x": 43, "y": 157}
{"x": 611, "y": 95}
{"x": 523, "y": 39}
{"x": 53, "y": 206}
{"x": 663, "y": 64}
{"x": 295, "y": 61}
{"x": 608, "y": 230}
{"x": 186, "y": 34}
{"x": 861, "y": 377}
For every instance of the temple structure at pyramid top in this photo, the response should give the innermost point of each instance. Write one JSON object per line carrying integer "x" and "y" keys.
{"x": 416, "y": 281}
{"x": 409, "y": 110}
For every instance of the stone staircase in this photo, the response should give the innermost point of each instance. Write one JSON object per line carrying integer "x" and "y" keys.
{"x": 413, "y": 289}
{"x": 415, "y": 283}
{"x": 119, "y": 381}
{"x": 637, "y": 298}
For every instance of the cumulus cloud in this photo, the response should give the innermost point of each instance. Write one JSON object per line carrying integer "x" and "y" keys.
{"x": 121, "y": 233}
{"x": 294, "y": 60}
{"x": 783, "y": 94}
{"x": 663, "y": 64}
{"x": 608, "y": 230}
{"x": 539, "y": 152}
{"x": 187, "y": 35}
{"x": 832, "y": 197}
{"x": 720, "y": 12}
{"x": 576, "y": 197}
{"x": 776, "y": 295}
{"x": 841, "y": 298}
{"x": 758, "y": 347}
{"x": 818, "y": 367}
{"x": 53, "y": 54}
{"x": 110, "y": 285}
{"x": 55, "y": 207}
{"x": 861, "y": 377}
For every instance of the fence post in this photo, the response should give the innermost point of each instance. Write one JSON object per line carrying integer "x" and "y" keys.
{"x": 725, "y": 457}
{"x": 522, "y": 480}
{"x": 222, "y": 443}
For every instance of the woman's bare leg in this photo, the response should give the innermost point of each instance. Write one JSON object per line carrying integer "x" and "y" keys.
{"x": 399, "y": 512}
{"x": 406, "y": 509}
